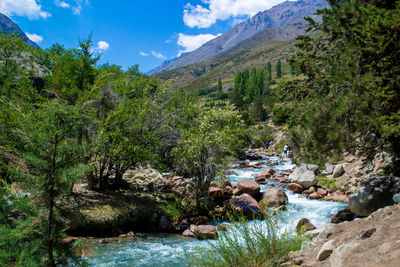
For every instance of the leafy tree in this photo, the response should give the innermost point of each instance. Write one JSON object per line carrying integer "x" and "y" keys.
{"x": 220, "y": 93}
{"x": 205, "y": 148}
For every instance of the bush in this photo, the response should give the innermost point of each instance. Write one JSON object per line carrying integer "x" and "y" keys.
{"x": 248, "y": 244}
{"x": 281, "y": 115}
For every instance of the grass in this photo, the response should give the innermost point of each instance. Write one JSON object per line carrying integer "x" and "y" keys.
{"x": 248, "y": 244}
{"x": 328, "y": 183}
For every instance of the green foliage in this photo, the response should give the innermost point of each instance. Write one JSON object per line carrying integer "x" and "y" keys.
{"x": 217, "y": 135}
{"x": 350, "y": 99}
{"x": 279, "y": 69}
{"x": 248, "y": 244}
{"x": 281, "y": 115}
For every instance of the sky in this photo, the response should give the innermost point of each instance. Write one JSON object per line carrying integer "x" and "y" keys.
{"x": 130, "y": 32}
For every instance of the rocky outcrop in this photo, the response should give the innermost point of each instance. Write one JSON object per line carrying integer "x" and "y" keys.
{"x": 246, "y": 204}
{"x": 273, "y": 197}
{"x": 367, "y": 242}
{"x": 304, "y": 176}
{"x": 377, "y": 192}
{"x": 247, "y": 186}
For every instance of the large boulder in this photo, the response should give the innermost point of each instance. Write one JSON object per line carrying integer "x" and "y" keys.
{"x": 206, "y": 232}
{"x": 246, "y": 204}
{"x": 247, "y": 186}
{"x": 215, "y": 192}
{"x": 295, "y": 188}
{"x": 376, "y": 192}
{"x": 338, "y": 171}
{"x": 273, "y": 197}
{"x": 304, "y": 176}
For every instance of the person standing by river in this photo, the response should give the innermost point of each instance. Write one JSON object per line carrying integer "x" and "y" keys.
{"x": 285, "y": 150}
{"x": 267, "y": 144}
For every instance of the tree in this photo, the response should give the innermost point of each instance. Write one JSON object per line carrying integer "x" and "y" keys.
{"x": 220, "y": 93}
{"x": 205, "y": 148}
{"x": 353, "y": 80}
{"x": 279, "y": 69}
{"x": 269, "y": 71}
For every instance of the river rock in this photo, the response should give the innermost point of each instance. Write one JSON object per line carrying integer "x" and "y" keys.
{"x": 200, "y": 220}
{"x": 271, "y": 171}
{"x": 188, "y": 233}
{"x": 69, "y": 240}
{"x": 247, "y": 186}
{"x": 304, "y": 176}
{"x": 396, "y": 198}
{"x": 338, "y": 171}
{"x": 304, "y": 225}
{"x": 206, "y": 232}
{"x": 165, "y": 225}
{"x": 326, "y": 250}
{"x": 342, "y": 216}
{"x": 264, "y": 175}
{"x": 273, "y": 197}
{"x": 377, "y": 192}
{"x": 295, "y": 188}
{"x": 246, "y": 204}
{"x": 215, "y": 192}
{"x": 338, "y": 197}
{"x": 315, "y": 195}
{"x": 183, "y": 225}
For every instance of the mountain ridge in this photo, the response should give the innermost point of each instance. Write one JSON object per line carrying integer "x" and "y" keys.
{"x": 7, "y": 26}
{"x": 276, "y": 16}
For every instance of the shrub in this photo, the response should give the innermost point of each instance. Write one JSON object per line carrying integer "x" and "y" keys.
{"x": 247, "y": 243}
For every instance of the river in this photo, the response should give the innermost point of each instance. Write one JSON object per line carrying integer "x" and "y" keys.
{"x": 171, "y": 250}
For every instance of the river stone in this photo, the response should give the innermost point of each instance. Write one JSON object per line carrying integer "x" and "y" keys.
{"x": 339, "y": 254}
{"x": 206, "y": 232}
{"x": 326, "y": 250}
{"x": 188, "y": 233}
{"x": 338, "y": 171}
{"x": 315, "y": 195}
{"x": 273, "y": 197}
{"x": 215, "y": 192}
{"x": 377, "y": 192}
{"x": 247, "y": 186}
{"x": 295, "y": 188}
{"x": 304, "y": 225}
{"x": 396, "y": 198}
{"x": 246, "y": 204}
{"x": 304, "y": 176}
{"x": 263, "y": 175}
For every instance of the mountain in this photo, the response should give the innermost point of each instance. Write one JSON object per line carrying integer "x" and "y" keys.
{"x": 283, "y": 14}
{"x": 7, "y": 26}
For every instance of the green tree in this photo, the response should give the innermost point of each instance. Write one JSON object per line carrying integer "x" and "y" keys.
{"x": 220, "y": 93}
{"x": 353, "y": 80}
{"x": 279, "y": 69}
{"x": 204, "y": 150}
{"x": 269, "y": 71}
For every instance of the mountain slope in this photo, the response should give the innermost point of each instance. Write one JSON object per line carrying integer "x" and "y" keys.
{"x": 281, "y": 14}
{"x": 7, "y": 26}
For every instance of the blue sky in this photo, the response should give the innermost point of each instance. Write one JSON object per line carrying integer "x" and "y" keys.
{"x": 131, "y": 32}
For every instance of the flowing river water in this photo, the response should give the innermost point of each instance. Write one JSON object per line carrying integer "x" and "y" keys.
{"x": 172, "y": 250}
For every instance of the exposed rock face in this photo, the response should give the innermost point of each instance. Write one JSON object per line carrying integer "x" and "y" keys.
{"x": 7, "y": 26}
{"x": 367, "y": 242}
{"x": 304, "y": 176}
{"x": 245, "y": 203}
{"x": 273, "y": 197}
{"x": 377, "y": 192}
{"x": 285, "y": 13}
{"x": 165, "y": 225}
{"x": 247, "y": 186}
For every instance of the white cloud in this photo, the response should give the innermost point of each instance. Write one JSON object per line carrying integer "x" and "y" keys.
{"x": 192, "y": 42}
{"x": 34, "y": 37}
{"x": 206, "y": 14}
{"x": 158, "y": 55}
{"x": 143, "y": 54}
{"x": 27, "y": 8}
{"x": 102, "y": 46}
{"x": 61, "y": 4}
